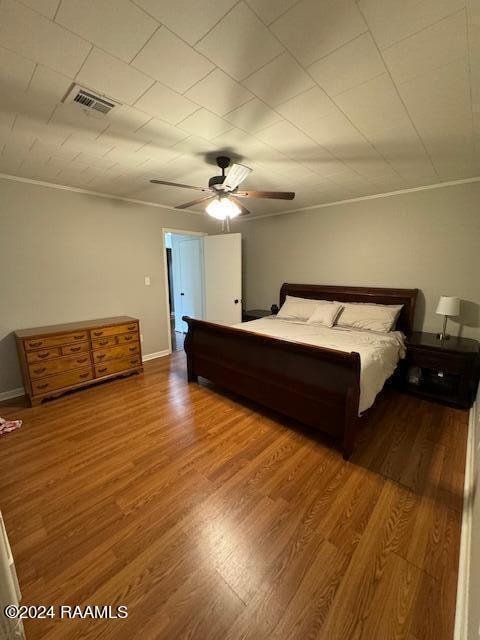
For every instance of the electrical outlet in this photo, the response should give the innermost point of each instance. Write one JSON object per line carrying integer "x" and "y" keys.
{"x": 141, "y": 337}
{"x": 147, "y": 281}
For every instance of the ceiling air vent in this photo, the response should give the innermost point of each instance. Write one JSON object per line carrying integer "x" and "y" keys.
{"x": 90, "y": 101}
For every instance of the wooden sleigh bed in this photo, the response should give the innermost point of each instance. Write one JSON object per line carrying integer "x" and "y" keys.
{"x": 317, "y": 386}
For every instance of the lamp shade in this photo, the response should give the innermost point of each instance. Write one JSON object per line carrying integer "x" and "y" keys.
{"x": 448, "y": 306}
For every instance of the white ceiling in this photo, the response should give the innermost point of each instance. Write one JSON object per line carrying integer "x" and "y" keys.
{"x": 333, "y": 99}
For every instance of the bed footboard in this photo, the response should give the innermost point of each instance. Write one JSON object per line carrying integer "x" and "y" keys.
{"x": 319, "y": 387}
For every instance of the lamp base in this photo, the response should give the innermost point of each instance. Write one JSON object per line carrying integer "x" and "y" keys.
{"x": 443, "y": 336}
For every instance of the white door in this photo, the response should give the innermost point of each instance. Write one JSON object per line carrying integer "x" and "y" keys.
{"x": 190, "y": 267}
{"x": 223, "y": 278}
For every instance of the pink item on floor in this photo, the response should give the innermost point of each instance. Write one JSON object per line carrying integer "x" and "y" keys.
{"x": 9, "y": 425}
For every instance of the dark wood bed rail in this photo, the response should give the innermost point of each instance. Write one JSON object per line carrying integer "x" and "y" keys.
{"x": 319, "y": 387}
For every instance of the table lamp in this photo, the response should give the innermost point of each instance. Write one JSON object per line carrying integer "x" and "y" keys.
{"x": 447, "y": 306}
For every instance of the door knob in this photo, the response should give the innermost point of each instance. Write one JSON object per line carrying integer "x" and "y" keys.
{"x": 236, "y": 300}
{"x": 182, "y": 294}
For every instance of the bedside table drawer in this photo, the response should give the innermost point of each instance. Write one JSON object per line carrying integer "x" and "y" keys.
{"x": 445, "y": 372}
{"x": 442, "y": 362}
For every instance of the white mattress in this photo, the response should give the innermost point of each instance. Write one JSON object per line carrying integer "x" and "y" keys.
{"x": 379, "y": 352}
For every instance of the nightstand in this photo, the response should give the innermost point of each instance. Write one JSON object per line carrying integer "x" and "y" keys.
{"x": 446, "y": 371}
{"x": 255, "y": 314}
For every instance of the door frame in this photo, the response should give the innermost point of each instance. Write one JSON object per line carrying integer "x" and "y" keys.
{"x": 180, "y": 232}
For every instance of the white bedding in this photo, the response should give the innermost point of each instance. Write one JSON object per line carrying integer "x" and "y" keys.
{"x": 379, "y": 352}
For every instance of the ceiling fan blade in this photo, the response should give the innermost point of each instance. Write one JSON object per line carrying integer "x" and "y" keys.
{"x": 193, "y": 202}
{"x": 243, "y": 210}
{"x": 177, "y": 184}
{"x": 275, "y": 195}
{"x": 236, "y": 174}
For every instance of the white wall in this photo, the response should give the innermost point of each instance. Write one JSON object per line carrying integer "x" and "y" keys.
{"x": 424, "y": 239}
{"x": 67, "y": 256}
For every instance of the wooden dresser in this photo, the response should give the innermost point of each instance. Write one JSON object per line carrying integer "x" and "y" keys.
{"x": 67, "y": 356}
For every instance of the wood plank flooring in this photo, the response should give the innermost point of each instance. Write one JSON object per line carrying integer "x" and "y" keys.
{"x": 212, "y": 519}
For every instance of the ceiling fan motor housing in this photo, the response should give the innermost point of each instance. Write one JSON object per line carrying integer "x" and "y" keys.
{"x": 216, "y": 182}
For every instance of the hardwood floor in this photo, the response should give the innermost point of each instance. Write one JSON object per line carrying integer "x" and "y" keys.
{"x": 211, "y": 519}
{"x": 178, "y": 338}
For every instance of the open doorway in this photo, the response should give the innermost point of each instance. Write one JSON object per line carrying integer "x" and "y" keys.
{"x": 184, "y": 270}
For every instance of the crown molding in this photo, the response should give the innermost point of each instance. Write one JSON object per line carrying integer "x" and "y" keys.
{"x": 62, "y": 187}
{"x": 109, "y": 196}
{"x": 428, "y": 187}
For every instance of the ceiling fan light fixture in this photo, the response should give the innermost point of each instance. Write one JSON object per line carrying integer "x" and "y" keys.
{"x": 222, "y": 208}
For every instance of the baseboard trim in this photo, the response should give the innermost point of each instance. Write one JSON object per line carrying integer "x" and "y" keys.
{"x": 13, "y": 393}
{"x": 156, "y": 354}
{"x": 463, "y": 581}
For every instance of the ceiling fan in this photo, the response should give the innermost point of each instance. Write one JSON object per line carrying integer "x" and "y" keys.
{"x": 223, "y": 191}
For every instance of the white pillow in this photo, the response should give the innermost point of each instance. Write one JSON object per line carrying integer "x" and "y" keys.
{"x": 297, "y": 308}
{"x": 374, "y": 317}
{"x": 325, "y": 313}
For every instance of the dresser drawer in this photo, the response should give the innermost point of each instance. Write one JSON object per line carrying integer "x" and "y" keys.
{"x": 67, "y": 379}
{"x": 44, "y": 354}
{"x": 53, "y": 341}
{"x": 101, "y": 343}
{"x": 127, "y": 337}
{"x": 113, "y": 330}
{"x": 114, "y": 366}
{"x": 102, "y": 355}
{"x": 49, "y": 367}
{"x": 68, "y": 349}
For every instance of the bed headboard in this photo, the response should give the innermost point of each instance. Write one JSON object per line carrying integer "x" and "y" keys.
{"x": 378, "y": 295}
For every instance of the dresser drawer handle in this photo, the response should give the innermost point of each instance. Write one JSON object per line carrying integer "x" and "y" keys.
{"x": 35, "y": 344}
{"x": 43, "y": 355}
{"x": 103, "y": 342}
{"x": 80, "y": 337}
{"x": 132, "y": 349}
{"x": 74, "y": 349}
{"x": 84, "y": 375}
{"x": 134, "y": 361}
{"x": 131, "y": 327}
{"x": 81, "y": 360}
{"x": 42, "y": 370}
{"x": 98, "y": 333}
{"x": 100, "y": 356}
{"x": 128, "y": 338}
{"x": 43, "y": 386}
{"x": 102, "y": 370}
